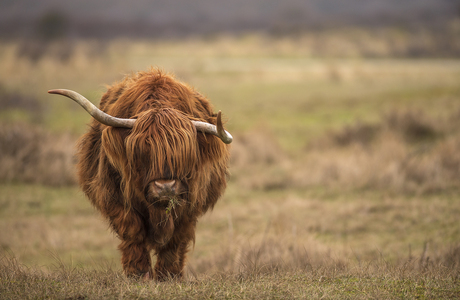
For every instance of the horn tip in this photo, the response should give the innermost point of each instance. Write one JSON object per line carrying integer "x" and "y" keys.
{"x": 57, "y": 92}
{"x": 228, "y": 140}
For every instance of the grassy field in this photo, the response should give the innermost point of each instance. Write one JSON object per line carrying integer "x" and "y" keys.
{"x": 344, "y": 174}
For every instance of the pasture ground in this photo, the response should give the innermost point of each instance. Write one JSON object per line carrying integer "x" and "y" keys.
{"x": 344, "y": 174}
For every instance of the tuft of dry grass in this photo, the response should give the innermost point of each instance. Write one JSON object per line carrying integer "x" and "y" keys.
{"x": 32, "y": 155}
{"x": 406, "y": 152}
{"x": 11, "y": 102}
{"x": 258, "y": 161}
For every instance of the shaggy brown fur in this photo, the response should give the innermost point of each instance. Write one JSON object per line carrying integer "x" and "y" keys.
{"x": 119, "y": 170}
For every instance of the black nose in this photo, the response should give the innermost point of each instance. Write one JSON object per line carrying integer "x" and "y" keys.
{"x": 165, "y": 185}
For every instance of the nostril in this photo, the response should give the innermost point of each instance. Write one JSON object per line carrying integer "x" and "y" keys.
{"x": 165, "y": 184}
{"x": 171, "y": 184}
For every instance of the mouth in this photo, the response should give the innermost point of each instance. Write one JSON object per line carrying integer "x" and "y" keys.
{"x": 161, "y": 202}
{"x": 168, "y": 204}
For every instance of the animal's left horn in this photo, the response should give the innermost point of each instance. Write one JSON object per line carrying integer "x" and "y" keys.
{"x": 217, "y": 130}
{"x": 95, "y": 112}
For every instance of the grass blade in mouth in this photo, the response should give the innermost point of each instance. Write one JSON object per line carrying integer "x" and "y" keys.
{"x": 173, "y": 201}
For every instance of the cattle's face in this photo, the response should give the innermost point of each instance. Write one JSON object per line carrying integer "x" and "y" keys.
{"x": 163, "y": 192}
{"x": 160, "y": 155}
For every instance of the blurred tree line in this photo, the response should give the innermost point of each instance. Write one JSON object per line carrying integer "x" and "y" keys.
{"x": 431, "y": 27}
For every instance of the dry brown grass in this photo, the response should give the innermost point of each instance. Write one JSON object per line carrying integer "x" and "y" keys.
{"x": 406, "y": 152}
{"x": 32, "y": 155}
{"x": 256, "y": 278}
{"x": 263, "y": 240}
{"x": 20, "y": 103}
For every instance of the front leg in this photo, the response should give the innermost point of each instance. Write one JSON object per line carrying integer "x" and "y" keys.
{"x": 135, "y": 256}
{"x": 171, "y": 261}
{"x": 171, "y": 257}
{"x": 135, "y": 259}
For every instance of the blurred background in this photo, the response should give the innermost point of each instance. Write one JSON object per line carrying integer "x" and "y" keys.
{"x": 345, "y": 117}
{"x": 179, "y": 18}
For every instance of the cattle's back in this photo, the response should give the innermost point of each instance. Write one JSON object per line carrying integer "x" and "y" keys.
{"x": 153, "y": 89}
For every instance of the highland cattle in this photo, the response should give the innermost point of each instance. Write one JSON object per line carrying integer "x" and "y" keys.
{"x": 155, "y": 158}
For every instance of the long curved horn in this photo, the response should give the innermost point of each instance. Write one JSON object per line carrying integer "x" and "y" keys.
{"x": 109, "y": 120}
{"x": 95, "y": 112}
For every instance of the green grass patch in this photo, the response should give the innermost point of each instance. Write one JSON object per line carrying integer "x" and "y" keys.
{"x": 18, "y": 200}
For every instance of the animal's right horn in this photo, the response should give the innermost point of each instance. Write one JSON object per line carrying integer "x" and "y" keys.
{"x": 95, "y": 112}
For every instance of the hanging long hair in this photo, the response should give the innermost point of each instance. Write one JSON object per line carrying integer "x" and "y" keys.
{"x": 116, "y": 164}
